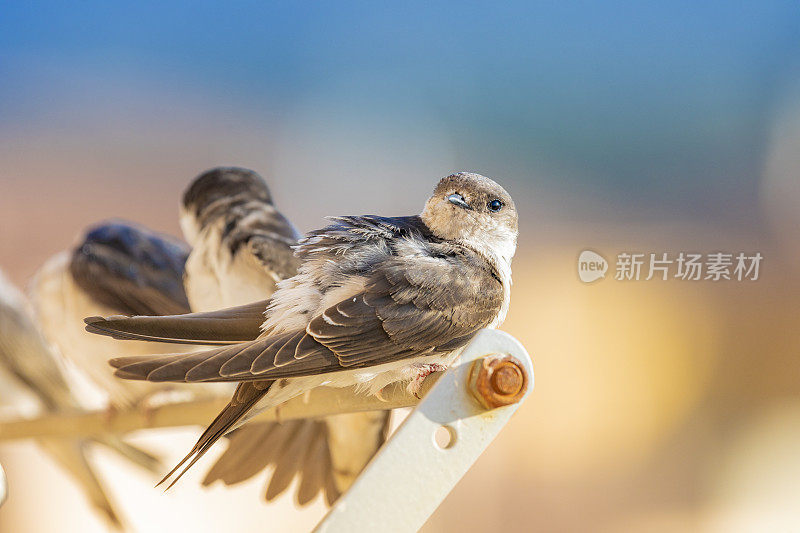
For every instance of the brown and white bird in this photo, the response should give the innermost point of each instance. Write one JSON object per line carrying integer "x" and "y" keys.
{"x": 241, "y": 244}
{"x": 117, "y": 267}
{"x": 27, "y": 364}
{"x": 241, "y": 247}
{"x": 376, "y": 301}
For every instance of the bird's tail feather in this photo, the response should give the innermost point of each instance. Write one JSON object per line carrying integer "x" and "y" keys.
{"x": 132, "y": 453}
{"x": 71, "y": 455}
{"x": 294, "y": 447}
{"x": 327, "y": 455}
{"x": 245, "y": 398}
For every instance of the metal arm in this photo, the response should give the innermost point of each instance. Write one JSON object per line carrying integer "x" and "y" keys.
{"x": 412, "y": 474}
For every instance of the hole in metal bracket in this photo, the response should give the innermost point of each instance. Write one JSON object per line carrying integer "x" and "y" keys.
{"x": 444, "y": 437}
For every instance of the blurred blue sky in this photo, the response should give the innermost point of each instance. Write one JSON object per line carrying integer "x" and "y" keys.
{"x": 664, "y": 103}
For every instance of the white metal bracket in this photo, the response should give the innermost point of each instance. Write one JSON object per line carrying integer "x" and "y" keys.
{"x": 3, "y": 486}
{"x": 411, "y": 475}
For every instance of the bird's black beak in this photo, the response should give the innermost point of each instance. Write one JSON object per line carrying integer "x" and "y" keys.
{"x": 457, "y": 199}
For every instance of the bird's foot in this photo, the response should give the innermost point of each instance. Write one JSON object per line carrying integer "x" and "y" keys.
{"x": 110, "y": 413}
{"x": 149, "y": 404}
{"x": 380, "y": 393}
{"x": 422, "y": 372}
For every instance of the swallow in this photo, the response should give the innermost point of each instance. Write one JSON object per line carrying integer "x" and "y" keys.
{"x": 242, "y": 246}
{"x": 119, "y": 268}
{"x": 376, "y": 301}
{"x": 28, "y": 365}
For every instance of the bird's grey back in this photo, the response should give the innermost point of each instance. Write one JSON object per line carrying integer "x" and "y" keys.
{"x": 131, "y": 269}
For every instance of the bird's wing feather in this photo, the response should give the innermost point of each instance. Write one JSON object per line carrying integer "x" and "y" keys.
{"x": 255, "y": 446}
{"x": 270, "y": 242}
{"x": 132, "y": 269}
{"x": 226, "y": 326}
{"x": 325, "y": 461}
{"x": 25, "y": 354}
{"x": 244, "y": 399}
{"x": 71, "y": 455}
{"x": 409, "y": 308}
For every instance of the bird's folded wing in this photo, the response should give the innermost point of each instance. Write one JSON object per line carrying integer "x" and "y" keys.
{"x": 404, "y": 312}
{"x": 226, "y": 326}
{"x": 132, "y": 269}
{"x": 25, "y": 354}
{"x": 229, "y": 363}
{"x": 269, "y": 237}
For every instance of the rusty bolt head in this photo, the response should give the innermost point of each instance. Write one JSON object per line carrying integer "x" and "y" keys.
{"x": 498, "y": 380}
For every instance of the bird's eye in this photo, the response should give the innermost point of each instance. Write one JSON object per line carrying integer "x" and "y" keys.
{"x": 495, "y": 206}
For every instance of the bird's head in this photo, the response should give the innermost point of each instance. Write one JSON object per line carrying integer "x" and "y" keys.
{"x": 214, "y": 192}
{"x": 475, "y": 211}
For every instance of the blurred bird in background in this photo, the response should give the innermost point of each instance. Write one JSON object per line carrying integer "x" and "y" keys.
{"x": 28, "y": 364}
{"x": 241, "y": 245}
{"x": 117, "y": 268}
{"x": 376, "y": 301}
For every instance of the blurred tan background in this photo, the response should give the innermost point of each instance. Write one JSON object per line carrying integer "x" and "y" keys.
{"x": 659, "y": 405}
